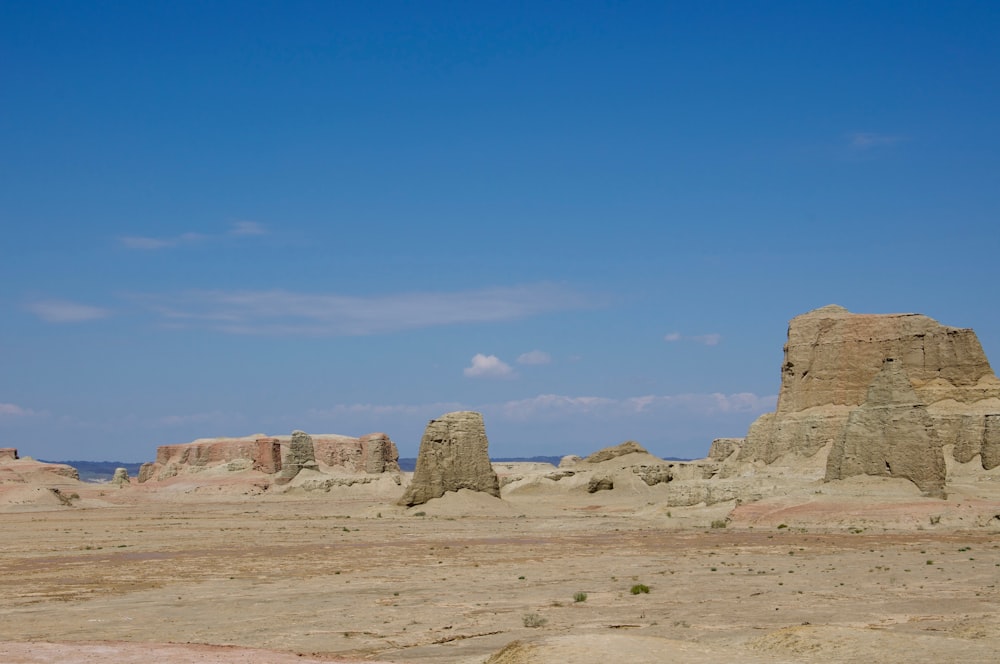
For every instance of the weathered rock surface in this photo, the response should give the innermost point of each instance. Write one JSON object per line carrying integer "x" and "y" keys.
{"x": 8, "y": 453}
{"x": 372, "y": 453}
{"x": 890, "y": 434}
{"x": 884, "y": 395}
{"x": 608, "y": 453}
{"x": 453, "y": 455}
{"x": 301, "y": 456}
{"x": 120, "y": 478}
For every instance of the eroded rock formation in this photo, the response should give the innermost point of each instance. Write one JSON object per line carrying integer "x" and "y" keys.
{"x": 884, "y": 394}
{"x": 372, "y": 453}
{"x": 453, "y": 455}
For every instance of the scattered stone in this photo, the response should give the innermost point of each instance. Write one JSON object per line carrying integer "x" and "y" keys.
{"x": 600, "y": 484}
{"x": 453, "y": 455}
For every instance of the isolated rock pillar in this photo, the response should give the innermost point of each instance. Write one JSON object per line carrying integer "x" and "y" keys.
{"x": 453, "y": 455}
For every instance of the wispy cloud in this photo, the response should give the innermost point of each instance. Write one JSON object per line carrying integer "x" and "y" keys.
{"x": 534, "y": 357}
{"x": 712, "y": 339}
{"x": 236, "y": 230}
{"x": 13, "y": 410}
{"x": 488, "y": 366}
{"x": 61, "y": 311}
{"x": 428, "y": 410}
{"x": 558, "y": 405}
{"x": 864, "y": 140}
{"x": 281, "y": 312}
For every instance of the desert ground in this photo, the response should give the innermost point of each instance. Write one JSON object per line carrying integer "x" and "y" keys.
{"x": 211, "y": 577}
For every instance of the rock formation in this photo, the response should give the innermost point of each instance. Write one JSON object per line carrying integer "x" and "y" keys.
{"x": 120, "y": 478}
{"x": 884, "y": 394}
{"x": 453, "y": 455}
{"x": 608, "y": 453}
{"x": 301, "y": 456}
{"x": 8, "y": 453}
{"x": 372, "y": 453}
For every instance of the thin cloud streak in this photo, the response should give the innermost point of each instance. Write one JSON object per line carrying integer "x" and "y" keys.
{"x": 862, "y": 140}
{"x": 534, "y": 357}
{"x": 712, "y": 339}
{"x": 13, "y": 410}
{"x": 286, "y": 313}
{"x": 237, "y": 229}
{"x": 560, "y": 406}
{"x": 62, "y": 311}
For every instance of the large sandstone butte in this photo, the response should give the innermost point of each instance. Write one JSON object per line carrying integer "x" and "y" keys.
{"x": 453, "y": 455}
{"x": 371, "y": 453}
{"x": 885, "y": 394}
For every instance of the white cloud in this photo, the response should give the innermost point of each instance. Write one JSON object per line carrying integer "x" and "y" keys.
{"x": 424, "y": 410}
{"x": 236, "y": 229}
{"x": 557, "y": 405}
{"x": 281, "y": 312}
{"x": 60, "y": 311}
{"x": 708, "y": 339}
{"x": 534, "y": 357}
{"x": 13, "y": 410}
{"x": 863, "y": 140}
{"x": 247, "y": 228}
{"x": 712, "y": 339}
{"x": 488, "y": 366}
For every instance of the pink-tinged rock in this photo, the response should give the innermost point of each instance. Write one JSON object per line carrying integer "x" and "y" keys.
{"x": 267, "y": 456}
{"x": 372, "y": 453}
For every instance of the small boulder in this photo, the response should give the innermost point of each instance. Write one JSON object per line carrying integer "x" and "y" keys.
{"x": 120, "y": 478}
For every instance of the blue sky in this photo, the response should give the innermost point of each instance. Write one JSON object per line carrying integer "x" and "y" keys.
{"x": 591, "y": 221}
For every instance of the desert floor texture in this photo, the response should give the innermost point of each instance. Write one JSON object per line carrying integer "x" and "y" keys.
{"x": 469, "y": 578}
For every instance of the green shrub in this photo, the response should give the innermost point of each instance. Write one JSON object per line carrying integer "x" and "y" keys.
{"x": 639, "y": 588}
{"x": 719, "y": 523}
{"x": 533, "y": 620}
{"x": 580, "y": 597}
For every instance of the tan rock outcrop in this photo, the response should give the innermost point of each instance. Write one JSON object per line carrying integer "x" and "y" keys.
{"x": 120, "y": 478}
{"x": 454, "y": 454}
{"x": 885, "y": 394}
{"x": 301, "y": 456}
{"x": 372, "y": 453}
{"x": 890, "y": 434}
{"x": 608, "y": 453}
{"x": 8, "y": 453}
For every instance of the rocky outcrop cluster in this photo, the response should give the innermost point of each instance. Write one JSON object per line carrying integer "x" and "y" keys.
{"x": 882, "y": 395}
{"x": 372, "y": 453}
{"x": 453, "y": 455}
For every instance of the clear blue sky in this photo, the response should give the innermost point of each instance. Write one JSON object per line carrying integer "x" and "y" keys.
{"x": 591, "y": 221}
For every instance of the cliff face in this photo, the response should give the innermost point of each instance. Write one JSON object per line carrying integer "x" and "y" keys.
{"x": 885, "y": 394}
{"x": 372, "y": 453}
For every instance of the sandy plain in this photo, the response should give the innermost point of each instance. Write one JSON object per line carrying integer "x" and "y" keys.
{"x": 348, "y": 577}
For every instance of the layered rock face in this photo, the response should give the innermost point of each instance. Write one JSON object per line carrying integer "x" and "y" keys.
{"x": 885, "y": 393}
{"x": 8, "y": 453}
{"x": 372, "y": 453}
{"x": 453, "y": 455}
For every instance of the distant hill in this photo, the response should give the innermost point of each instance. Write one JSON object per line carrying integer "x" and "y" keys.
{"x": 100, "y": 471}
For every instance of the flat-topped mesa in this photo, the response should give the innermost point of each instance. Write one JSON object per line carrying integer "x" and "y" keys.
{"x": 884, "y": 393}
{"x": 453, "y": 455}
{"x": 371, "y": 453}
{"x": 832, "y": 356}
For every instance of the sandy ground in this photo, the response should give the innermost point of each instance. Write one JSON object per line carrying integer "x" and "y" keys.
{"x": 468, "y": 578}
